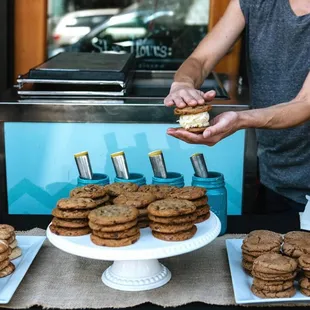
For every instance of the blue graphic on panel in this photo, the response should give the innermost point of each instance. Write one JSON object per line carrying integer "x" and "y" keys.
{"x": 41, "y": 167}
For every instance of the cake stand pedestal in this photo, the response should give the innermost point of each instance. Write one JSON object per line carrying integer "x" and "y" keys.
{"x": 136, "y": 267}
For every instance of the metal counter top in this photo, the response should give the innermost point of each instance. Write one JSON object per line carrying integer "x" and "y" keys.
{"x": 137, "y": 107}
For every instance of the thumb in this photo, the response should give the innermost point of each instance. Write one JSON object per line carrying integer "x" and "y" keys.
{"x": 211, "y": 131}
{"x": 209, "y": 95}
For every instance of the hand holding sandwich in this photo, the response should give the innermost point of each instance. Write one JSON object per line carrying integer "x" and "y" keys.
{"x": 183, "y": 94}
{"x": 220, "y": 127}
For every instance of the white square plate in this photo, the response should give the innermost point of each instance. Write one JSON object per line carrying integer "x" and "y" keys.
{"x": 30, "y": 246}
{"x": 242, "y": 282}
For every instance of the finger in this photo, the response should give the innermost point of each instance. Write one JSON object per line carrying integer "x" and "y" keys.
{"x": 179, "y": 102}
{"x": 212, "y": 131}
{"x": 214, "y": 139}
{"x": 168, "y": 101}
{"x": 188, "y": 98}
{"x": 198, "y": 95}
{"x": 173, "y": 132}
{"x": 187, "y": 136}
{"x": 209, "y": 95}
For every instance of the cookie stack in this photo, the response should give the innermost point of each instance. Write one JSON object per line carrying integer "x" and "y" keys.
{"x": 71, "y": 216}
{"x": 96, "y": 192}
{"x": 114, "y": 226}
{"x": 257, "y": 243}
{"x": 159, "y": 191}
{"x": 6, "y": 267}
{"x": 115, "y": 189}
{"x": 7, "y": 233}
{"x": 172, "y": 219}
{"x": 137, "y": 200}
{"x": 304, "y": 265}
{"x": 197, "y": 195}
{"x": 273, "y": 276}
{"x": 296, "y": 243}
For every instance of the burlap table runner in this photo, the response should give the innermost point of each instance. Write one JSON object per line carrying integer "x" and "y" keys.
{"x": 60, "y": 280}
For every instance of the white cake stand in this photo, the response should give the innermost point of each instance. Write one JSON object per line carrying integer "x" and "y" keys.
{"x": 136, "y": 267}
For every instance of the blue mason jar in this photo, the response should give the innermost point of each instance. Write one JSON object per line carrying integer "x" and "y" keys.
{"x": 217, "y": 195}
{"x": 137, "y": 178}
{"x": 173, "y": 178}
{"x": 98, "y": 178}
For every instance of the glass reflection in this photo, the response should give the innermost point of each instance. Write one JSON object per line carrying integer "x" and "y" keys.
{"x": 161, "y": 33}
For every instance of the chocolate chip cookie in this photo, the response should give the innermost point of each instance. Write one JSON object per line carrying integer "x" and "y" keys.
{"x": 115, "y": 189}
{"x": 117, "y": 234}
{"x": 202, "y": 218}
{"x": 247, "y": 266}
{"x": 89, "y": 191}
{"x": 114, "y": 242}
{"x": 174, "y": 219}
{"x": 273, "y": 263}
{"x": 200, "y": 201}
{"x": 304, "y": 284}
{"x": 16, "y": 252}
{"x": 256, "y": 245}
{"x": 135, "y": 199}
{"x": 76, "y": 203}
{"x": 4, "y": 255}
{"x": 274, "y": 277}
{"x": 304, "y": 262}
{"x": 179, "y": 236}
{"x": 171, "y": 228}
{"x": 290, "y": 292}
{"x": 143, "y": 223}
{"x": 143, "y": 212}
{"x": 4, "y": 246}
{"x": 7, "y": 270}
{"x": 202, "y": 210}
{"x": 71, "y": 214}
{"x": 68, "y": 223}
{"x": 171, "y": 207}
{"x": 188, "y": 192}
{"x": 296, "y": 243}
{"x": 159, "y": 191}
{"x": 193, "y": 110}
{"x": 267, "y": 234}
{"x": 6, "y": 231}
{"x": 112, "y": 228}
{"x": 296, "y": 235}
{"x": 72, "y": 232}
{"x": 253, "y": 246}
{"x": 113, "y": 214}
{"x": 249, "y": 258}
{"x": 272, "y": 286}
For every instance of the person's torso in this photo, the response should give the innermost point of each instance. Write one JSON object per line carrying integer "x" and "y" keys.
{"x": 278, "y": 46}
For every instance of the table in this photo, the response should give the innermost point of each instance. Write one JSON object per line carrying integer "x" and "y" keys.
{"x": 240, "y": 224}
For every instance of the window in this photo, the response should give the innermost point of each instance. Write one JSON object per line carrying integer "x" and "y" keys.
{"x": 30, "y": 36}
{"x": 161, "y": 33}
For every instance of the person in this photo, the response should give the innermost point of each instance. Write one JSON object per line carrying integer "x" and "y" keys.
{"x": 277, "y": 34}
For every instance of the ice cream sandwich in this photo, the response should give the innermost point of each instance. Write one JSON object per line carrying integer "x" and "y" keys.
{"x": 194, "y": 119}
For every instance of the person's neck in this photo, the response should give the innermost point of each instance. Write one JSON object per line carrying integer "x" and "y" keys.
{"x": 300, "y": 7}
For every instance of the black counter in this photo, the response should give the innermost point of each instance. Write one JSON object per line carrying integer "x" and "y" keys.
{"x": 236, "y": 224}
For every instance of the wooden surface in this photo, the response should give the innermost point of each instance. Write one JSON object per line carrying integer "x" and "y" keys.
{"x": 230, "y": 63}
{"x": 30, "y": 20}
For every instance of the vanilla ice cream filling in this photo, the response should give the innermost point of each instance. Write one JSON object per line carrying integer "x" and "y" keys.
{"x": 194, "y": 120}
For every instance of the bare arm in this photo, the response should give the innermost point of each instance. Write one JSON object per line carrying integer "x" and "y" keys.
{"x": 280, "y": 116}
{"x": 283, "y": 115}
{"x": 208, "y": 53}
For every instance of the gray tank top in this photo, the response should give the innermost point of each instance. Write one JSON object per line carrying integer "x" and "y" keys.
{"x": 278, "y": 55}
